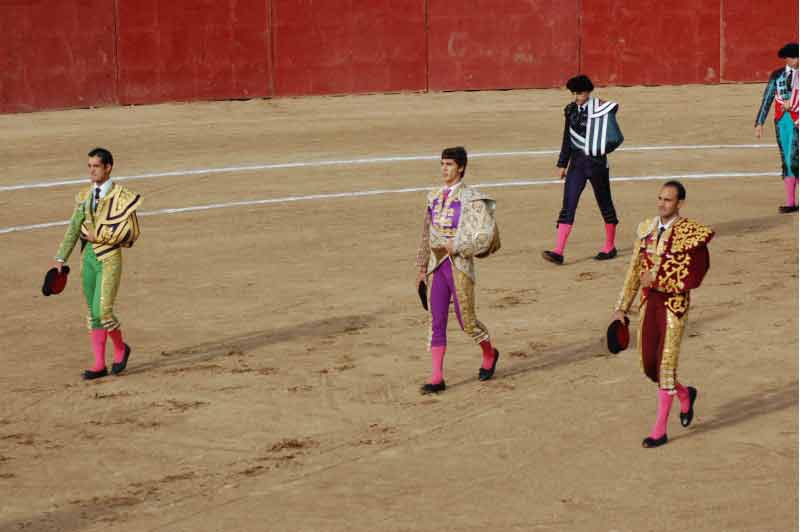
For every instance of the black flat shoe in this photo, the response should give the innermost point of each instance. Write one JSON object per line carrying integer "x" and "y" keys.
{"x": 429, "y": 388}
{"x": 486, "y": 374}
{"x": 787, "y": 209}
{"x": 553, "y": 257}
{"x": 606, "y": 256}
{"x": 686, "y": 419}
{"x": 119, "y": 367}
{"x": 649, "y": 442}
{"x": 90, "y": 375}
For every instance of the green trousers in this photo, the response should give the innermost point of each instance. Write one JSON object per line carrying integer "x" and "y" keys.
{"x": 100, "y": 283}
{"x": 786, "y": 131}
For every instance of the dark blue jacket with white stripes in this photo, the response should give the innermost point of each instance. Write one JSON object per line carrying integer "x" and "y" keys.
{"x": 593, "y": 130}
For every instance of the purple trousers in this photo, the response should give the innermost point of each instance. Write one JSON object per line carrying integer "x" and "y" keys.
{"x": 443, "y": 290}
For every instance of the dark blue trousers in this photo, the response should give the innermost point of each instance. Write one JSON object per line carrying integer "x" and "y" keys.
{"x": 583, "y": 168}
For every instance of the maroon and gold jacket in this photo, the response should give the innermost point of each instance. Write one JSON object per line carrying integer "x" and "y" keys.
{"x": 678, "y": 261}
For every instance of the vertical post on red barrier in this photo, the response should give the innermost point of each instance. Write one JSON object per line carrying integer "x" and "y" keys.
{"x": 427, "y": 47}
{"x": 580, "y": 36}
{"x": 721, "y": 40}
{"x": 271, "y": 54}
{"x": 116, "y": 52}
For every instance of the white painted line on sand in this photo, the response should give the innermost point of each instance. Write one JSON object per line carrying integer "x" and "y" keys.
{"x": 361, "y": 161}
{"x": 379, "y": 192}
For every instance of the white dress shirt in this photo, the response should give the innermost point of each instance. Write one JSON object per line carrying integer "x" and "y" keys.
{"x": 104, "y": 189}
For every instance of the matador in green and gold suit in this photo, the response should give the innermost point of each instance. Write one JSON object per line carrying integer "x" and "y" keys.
{"x": 105, "y": 222}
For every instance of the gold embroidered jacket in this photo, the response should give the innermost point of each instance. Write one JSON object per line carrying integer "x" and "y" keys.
{"x": 476, "y": 234}
{"x": 678, "y": 262}
{"x": 114, "y": 222}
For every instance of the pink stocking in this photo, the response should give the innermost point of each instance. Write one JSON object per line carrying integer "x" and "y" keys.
{"x": 488, "y": 354}
{"x": 683, "y": 397}
{"x": 119, "y": 345}
{"x": 563, "y": 234}
{"x": 99, "y": 348}
{"x": 664, "y": 405}
{"x": 790, "y": 184}
{"x": 437, "y": 363}
{"x": 611, "y": 236}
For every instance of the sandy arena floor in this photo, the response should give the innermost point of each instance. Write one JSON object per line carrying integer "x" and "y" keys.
{"x": 278, "y": 348}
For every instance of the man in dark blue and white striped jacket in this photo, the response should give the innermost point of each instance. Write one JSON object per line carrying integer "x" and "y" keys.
{"x": 591, "y": 132}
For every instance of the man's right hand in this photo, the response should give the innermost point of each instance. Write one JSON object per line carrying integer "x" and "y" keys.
{"x": 562, "y": 173}
{"x": 57, "y": 265}
{"x": 420, "y": 277}
{"x": 618, "y": 316}
{"x": 759, "y": 131}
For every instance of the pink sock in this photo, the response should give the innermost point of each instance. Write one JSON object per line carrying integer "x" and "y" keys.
{"x": 683, "y": 397}
{"x": 563, "y": 235}
{"x": 437, "y": 363}
{"x": 488, "y": 354}
{"x": 99, "y": 348}
{"x": 611, "y": 235}
{"x": 664, "y": 405}
{"x": 790, "y": 184}
{"x": 119, "y": 345}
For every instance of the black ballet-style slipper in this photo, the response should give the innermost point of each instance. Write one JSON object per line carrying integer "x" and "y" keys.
{"x": 788, "y": 209}
{"x": 119, "y": 367}
{"x": 552, "y": 256}
{"x": 602, "y": 255}
{"x": 686, "y": 419}
{"x": 486, "y": 374}
{"x": 429, "y": 388}
{"x": 89, "y": 375}
{"x": 649, "y": 443}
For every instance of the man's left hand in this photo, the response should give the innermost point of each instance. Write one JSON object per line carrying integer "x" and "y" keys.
{"x": 647, "y": 279}
{"x": 449, "y": 247}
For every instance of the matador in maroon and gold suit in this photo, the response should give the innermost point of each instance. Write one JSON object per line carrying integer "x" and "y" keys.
{"x": 676, "y": 256}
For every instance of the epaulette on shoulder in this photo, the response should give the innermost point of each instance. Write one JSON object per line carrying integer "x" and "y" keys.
{"x": 125, "y": 202}
{"x": 688, "y": 234}
{"x": 645, "y": 228}
{"x": 126, "y": 195}
{"x": 432, "y": 195}
{"x": 83, "y": 195}
{"x": 776, "y": 73}
{"x": 469, "y": 193}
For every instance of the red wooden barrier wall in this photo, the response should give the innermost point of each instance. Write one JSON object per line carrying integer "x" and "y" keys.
{"x": 349, "y": 46}
{"x": 651, "y": 42}
{"x": 193, "y": 50}
{"x": 501, "y": 44}
{"x": 752, "y": 35}
{"x": 56, "y": 54}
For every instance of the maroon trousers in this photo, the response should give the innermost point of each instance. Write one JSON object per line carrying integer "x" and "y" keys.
{"x": 653, "y": 333}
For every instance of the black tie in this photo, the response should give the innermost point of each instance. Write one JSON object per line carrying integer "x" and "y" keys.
{"x": 661, "y": 230}
{"x": 789, "y": 79}
{"x": 96, "y": 198}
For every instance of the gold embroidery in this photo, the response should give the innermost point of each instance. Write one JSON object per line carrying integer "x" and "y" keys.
{"x": 675, "y": 269}
{"x": 631, "y": 285}
{"x": 112, "y": 272}
{"x": 115, "y": 223}
{"x": 475, "y": 218}
{"x": 645, "y": 228}
{"x": 678, "y": 304}
{"x": 465, "y": 292}
{"x": 640, "y": 335}
{"x": 668, "y": 372}
{"x": 688, "y": 235}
